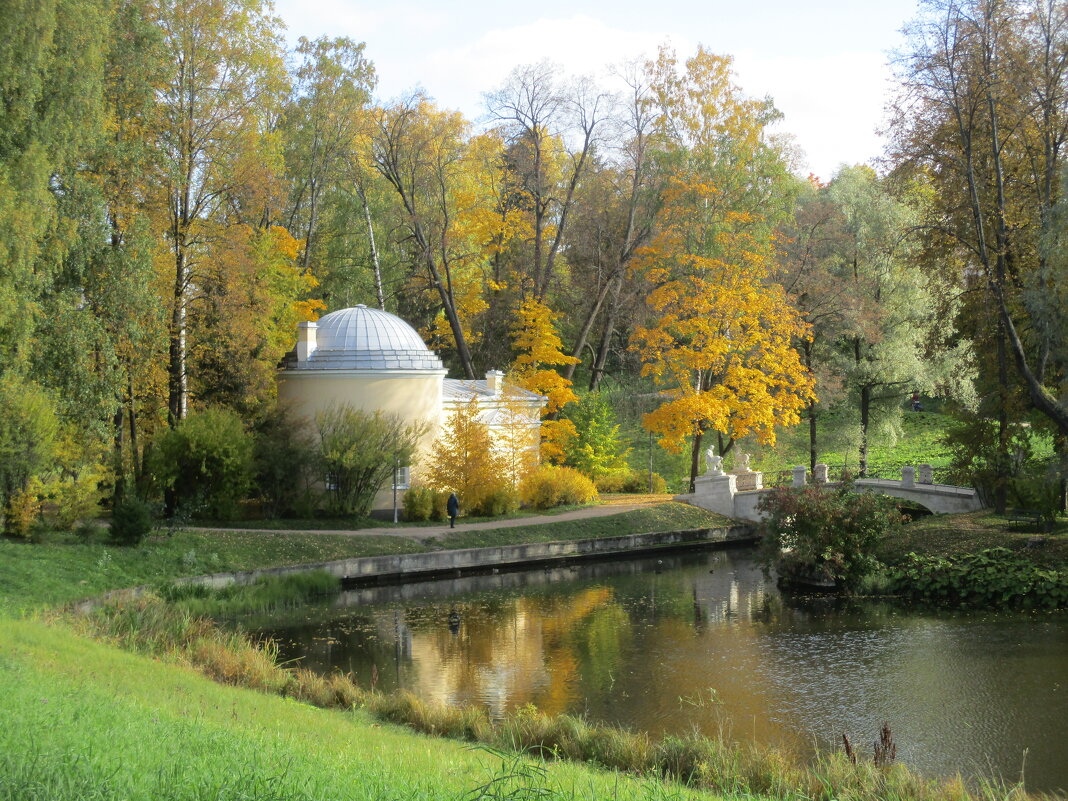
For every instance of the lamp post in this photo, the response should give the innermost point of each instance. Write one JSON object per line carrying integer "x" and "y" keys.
{"x": 396, "y": 469}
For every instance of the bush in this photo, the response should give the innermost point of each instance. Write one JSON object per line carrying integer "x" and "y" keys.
{"x": 632, "y": 481}
{"x": 551, "y": 486}
{"x": 499, "y": 500}
{"x": 358, "y": 452}
{"x": 284, "y": 460}
{"x": 817, "y": 535}
{"x": 206, "y": 461}
{"x": 424, "y": 503}
{"x": 76, "y": 498}
{"x": 597, "y": 448}
{"x": 29, "y": 444}
{"x": 995, "y": 577}
{"x": 131, "y": 520}
{"x": 23, "y": 509}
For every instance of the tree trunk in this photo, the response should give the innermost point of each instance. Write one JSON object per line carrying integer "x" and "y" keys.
{"x": 597, "y": 369}
{"x": 695, "y": 459}
{"x": 376, "y": 266}
{"x": 584, "y": 332}
{"x": 865, "y": 411}
{"x": 177, "y": 380}
{"x": 119, "y": 490}
{"x": 1001, "y": 459}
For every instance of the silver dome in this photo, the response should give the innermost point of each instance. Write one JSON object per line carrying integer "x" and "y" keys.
{"x": 371, "y": 339}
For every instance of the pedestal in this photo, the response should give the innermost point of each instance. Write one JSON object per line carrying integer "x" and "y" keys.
{"x": 749, "y": 480}
{"x": 715, "y": 493}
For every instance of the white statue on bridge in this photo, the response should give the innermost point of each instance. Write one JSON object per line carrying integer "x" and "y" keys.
{"x": 713, "y": 463}
{"x": 743, "y": 463}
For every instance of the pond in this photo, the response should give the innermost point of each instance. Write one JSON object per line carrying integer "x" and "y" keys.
{"x": 704, "y": 641}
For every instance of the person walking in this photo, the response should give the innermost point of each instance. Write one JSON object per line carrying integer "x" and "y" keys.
{"x": 453, "y": 508}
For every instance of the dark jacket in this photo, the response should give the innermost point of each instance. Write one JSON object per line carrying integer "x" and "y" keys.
{"x": 453, "y": 505}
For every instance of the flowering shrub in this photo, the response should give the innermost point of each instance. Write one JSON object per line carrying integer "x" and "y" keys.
{"x": 826, "y": 535}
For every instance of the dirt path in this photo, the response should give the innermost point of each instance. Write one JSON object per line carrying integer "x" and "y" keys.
{"x": 606, "y": 509}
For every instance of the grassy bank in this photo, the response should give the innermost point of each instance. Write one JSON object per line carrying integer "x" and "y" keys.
{"x": 163, "y": 631}
{"x": 959, "y": 535}
{"x": 667, "y": 516}
{"x": 88, "y": 721}
{"x": 64, "y": 568}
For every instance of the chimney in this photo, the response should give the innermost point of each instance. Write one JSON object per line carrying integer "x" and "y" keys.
{"x": 495, "y": 381}
{"x": 305, "y": 341}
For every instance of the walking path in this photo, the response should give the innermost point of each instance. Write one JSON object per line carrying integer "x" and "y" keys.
{"x": 605, "y": 509}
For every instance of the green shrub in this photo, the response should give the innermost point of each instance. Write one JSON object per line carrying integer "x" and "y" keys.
{"x": 23, "y": 509}
{"x": 76, "y": 497}
{"x": 994, "y": 577}
{"x": 417, "y": 504}
{"x": 29, "y": 442}
{"x": 551, "y": 486}
{"x": 284, "y": 465}
{"x": 131, "y": 520}
{"x": 206, "y": 461}
{"x": 597, "y": 448}
{"x": 358, "y": 451}
{"x": 830, "y": 535}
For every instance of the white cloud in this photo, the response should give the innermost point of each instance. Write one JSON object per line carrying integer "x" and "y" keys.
{"x": 832, "y": 104}
{"x": 457, "y": 77}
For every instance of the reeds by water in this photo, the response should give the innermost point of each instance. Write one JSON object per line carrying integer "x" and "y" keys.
{"x": 152, "y": 625}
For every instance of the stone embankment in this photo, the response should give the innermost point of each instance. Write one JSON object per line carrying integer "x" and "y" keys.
{"x": 402, "y": 567}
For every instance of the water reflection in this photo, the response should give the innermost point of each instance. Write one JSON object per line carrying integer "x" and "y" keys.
{"x": 703, "y": 641}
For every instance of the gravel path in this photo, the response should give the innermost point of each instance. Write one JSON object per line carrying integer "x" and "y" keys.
{"x": 428, "y": 532}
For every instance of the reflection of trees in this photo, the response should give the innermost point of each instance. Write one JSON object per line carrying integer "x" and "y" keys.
{"x": 504, "y": 656}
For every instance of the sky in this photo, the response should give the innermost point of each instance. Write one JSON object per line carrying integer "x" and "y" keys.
{"x": 825, "y": 63}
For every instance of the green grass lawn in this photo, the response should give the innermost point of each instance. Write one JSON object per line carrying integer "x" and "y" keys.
{"x": 87, "y": 721}
{"x": 667, "y": 516}
{"x": 957, "y": 535}
{"x": 352, "y": 524}
{"x": 917, "y": 442}
{"x": 64, "y": 568}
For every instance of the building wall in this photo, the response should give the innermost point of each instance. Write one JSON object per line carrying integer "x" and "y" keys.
{"x": 414, "y": 397}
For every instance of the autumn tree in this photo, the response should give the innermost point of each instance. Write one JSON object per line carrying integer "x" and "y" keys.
{"x": 227, "y": 78}
{"x": 539, "y": 116}
{"x": 614, "y": 215}
{"x": 464, "y": 460}
{"x": 809, "y": 269}
{"x": 538, "y": 350}
{"x": 325, "y": 116}
{"x": 435, "y": 166}
{"x": 720, "y": 337}
{"x": 983, "y": 114}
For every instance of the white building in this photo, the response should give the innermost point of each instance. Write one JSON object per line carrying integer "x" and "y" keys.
{"x": 373, "y": 360}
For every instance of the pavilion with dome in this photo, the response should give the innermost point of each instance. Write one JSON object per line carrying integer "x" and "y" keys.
{"x": 375, "y": 361}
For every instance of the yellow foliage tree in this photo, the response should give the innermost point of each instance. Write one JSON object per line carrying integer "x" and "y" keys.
{"x": 539, "y": 348}
{"x": 463, "y": 459}
{"x": 721, "y": 336}
{"x": 517, "y": 440}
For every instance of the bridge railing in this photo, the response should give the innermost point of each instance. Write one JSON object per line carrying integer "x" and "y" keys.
{"x": 845, "y": 472}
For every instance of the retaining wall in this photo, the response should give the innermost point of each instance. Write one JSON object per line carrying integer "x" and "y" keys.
{"x": 400, "y": 567}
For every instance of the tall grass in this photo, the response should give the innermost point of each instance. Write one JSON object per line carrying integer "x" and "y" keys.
{"x": 149, "y": 624}
{"x": 266, "y": 595}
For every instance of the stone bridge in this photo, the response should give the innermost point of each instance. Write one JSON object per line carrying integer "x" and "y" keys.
{"x": 737, "y": 494}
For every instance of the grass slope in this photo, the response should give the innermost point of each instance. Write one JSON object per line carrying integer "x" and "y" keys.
{"x": 958, "y": 535}
{"x": 667, "y": 516}
{"x": 63, "y": 568}
{"x": 87, "y": 721}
